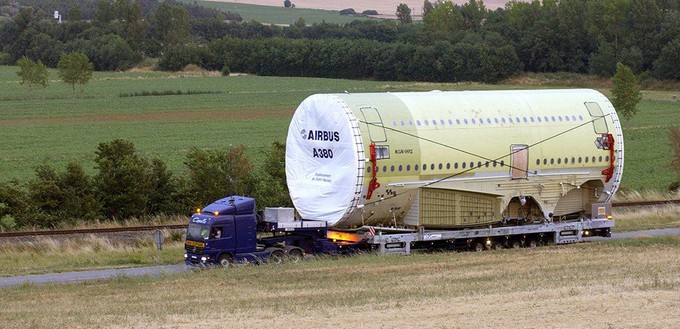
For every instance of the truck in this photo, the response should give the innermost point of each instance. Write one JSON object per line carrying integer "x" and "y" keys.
{"x": 403, "y": 171}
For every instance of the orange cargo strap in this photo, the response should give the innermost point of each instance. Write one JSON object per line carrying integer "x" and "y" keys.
{"x": 609, "y": 172}
{"x": 373, "y": 184}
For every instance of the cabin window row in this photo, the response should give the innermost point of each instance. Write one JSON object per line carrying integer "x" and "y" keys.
{"x": 440, "y": 166}
{"x": 574, "y": 160}
{"x": 488, "y": 121}
{"x": 487, "y": 164}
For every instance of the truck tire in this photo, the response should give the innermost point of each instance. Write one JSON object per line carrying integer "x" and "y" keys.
{"x": 295, "y": 255}
{"x": 225, "y": 261}
{"x": 477, "y": 247}
{"x": 276, "y": 257}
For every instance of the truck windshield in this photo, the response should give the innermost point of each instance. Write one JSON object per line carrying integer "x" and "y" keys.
{"x": 197, "y": 232}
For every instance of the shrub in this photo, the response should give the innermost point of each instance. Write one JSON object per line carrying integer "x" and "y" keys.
{"x": 225, "y": 71}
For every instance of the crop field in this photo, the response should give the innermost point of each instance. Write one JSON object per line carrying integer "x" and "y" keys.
{"x": 215, "y": 111}
{"x": 614, "y": 284}
{"x": 278, "y": 15}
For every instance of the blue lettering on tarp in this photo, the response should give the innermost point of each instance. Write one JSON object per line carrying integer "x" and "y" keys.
{"x": 319, "y": 135}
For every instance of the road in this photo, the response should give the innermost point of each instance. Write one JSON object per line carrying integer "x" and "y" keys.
{"x": 67, "y": 277}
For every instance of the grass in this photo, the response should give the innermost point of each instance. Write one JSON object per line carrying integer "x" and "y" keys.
{"x": 250, "y": 110}
{"x": 646, "y": 218}
{"x": 278, "y": 15}
{"x": 596, "y": 285}
{"x": 87, "y": 252}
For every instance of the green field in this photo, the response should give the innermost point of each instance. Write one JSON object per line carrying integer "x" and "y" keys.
{"x": 249, "y": 110}
{"x": 278, "y": 15}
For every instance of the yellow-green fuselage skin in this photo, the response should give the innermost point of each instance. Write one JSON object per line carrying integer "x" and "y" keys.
{"x": 464, "y": 141}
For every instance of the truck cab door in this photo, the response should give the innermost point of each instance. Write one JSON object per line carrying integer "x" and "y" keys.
{"x": 228, "y": 241}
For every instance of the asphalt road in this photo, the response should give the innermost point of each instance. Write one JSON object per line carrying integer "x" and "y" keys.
{"x": 67, "y": 277}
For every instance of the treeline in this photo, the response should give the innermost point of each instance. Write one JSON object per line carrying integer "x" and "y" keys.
{"x": 128, "y": 185}
{"x": 580, "y": 36}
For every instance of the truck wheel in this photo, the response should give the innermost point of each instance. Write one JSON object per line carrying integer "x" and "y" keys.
{"x": 295, "y": 255}
{"x": 515, "y": 244}
{"x": 477, "y": 247}
{"x": 276, "y": 257}
{"x": 532, "y": 244}
{"x": 225, "y": 261}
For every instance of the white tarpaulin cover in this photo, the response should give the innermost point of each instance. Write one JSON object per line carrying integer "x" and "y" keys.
{"x": 322, "y": 159}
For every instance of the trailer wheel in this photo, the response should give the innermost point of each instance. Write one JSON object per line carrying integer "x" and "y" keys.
{"x": 497, "y": 246}
{"x": 477, "y": 247}
{"x": 295, "y": 255}
{"x": 225, "y": 261}
{"x": 515, "y": 244}
{"x": 276, "y": 257}
{"x": 532, "y": 244}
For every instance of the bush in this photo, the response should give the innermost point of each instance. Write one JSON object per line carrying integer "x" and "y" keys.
{"x": 225, "y": 71}
{"x": 370, "y": 12}
{"x": 348, "y": 12}
{"x": 7, "y": 223}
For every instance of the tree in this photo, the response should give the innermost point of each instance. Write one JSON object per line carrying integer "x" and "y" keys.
{"x": 123, "y": 181}
{"x": 404, "y": 14}
{"x": 287, "y": 3}
{"x": 172, "y": 23}
{"x": 32, "y": 73}
{"x": 626, "y": 94}
{"x": 427, "y": 7}
{"x": 75, "y": 68}
{"x": 667, "y": 65}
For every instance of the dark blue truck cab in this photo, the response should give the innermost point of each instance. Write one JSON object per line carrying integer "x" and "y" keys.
{"x": 226, "y": 232}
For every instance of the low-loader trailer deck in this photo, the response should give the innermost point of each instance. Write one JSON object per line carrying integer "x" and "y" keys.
{"x": 229, "y": 231}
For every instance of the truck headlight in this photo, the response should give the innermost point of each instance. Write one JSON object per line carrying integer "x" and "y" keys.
{"x": 185, "y": 256}
{"x": 203, "y": 259}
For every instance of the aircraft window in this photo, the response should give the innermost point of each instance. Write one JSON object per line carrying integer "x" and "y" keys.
{"x": 442, "y": 122}
{"x": 473, "y": 121}
{"x": 481, "y": 121}
{"x": 580, "y": 117}
{"x": 502, "y": 163}
{"x": 531, "y": 119}
{"x": 448, "y": 166}
{"x": 525, "y": 119}
{"x": 586, "y": 158}
{"x": 457, "y": 121}
{"x": 384, "y": 169}
{"x": 559, "y": 160}
{"x": 450, "y": 122}
{"x": 495, "y": 120}
{"x": 510, "y": 120}
{"x": 606, "y": 158}
{"x": 465, "y": 121}
{"x": 579, "y": 159}
{"x": 427, "y": 123}
{"x": 566, "y": 118}
{"x": 418, "y": 122}
{"x": 394, "y": 123}
{"x": 432, "y": 166}
{"x": 440, "y": 166}
{"x": 538, "y": 162}
{"x": 464, "y": 164}
{"x": 401, "y": 168}
{"x": 410, "y": 123}
{"x": 392, "y": 168}
{"x": 377, "y": 169}
{"x": 545, "y": 118}
{"x": 573, "y": 160}
{"x": 552, "y": 161}
{"x": 495, "y": 163}
{"x": 403, "y": 123}
{"x": 382, "y": 152}
{"x": 415, "y": 167}
{"x": 455, "y": 165}
{"x": 479, "y": 164}
{"x": 559, "y": 118}
{"x": 566, "y": 160}
{"x": 488, "y": 120}
{"x": 573, "y": 118}
{"x": 545, "y": 161}
{"x": 368, "y": 169}
{"x": 539, "y": 119}
{"x": 486, "y": 164}
{"x": 434, "y": 122}
{"x": 424, "y": 166}
{"x": 408, "y": 167}
{"x": 517, "y": 120}
{"x": 472, "y": 164}
{"x": 552, "y": 118}
{"x": 593, "y": 160}
{"x": 503, "y": 120}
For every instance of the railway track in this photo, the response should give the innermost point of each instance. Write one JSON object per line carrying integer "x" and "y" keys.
{"x": 183, "y": 226}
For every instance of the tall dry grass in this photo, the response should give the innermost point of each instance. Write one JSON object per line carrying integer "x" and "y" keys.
{"x": 617, "y": 284}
